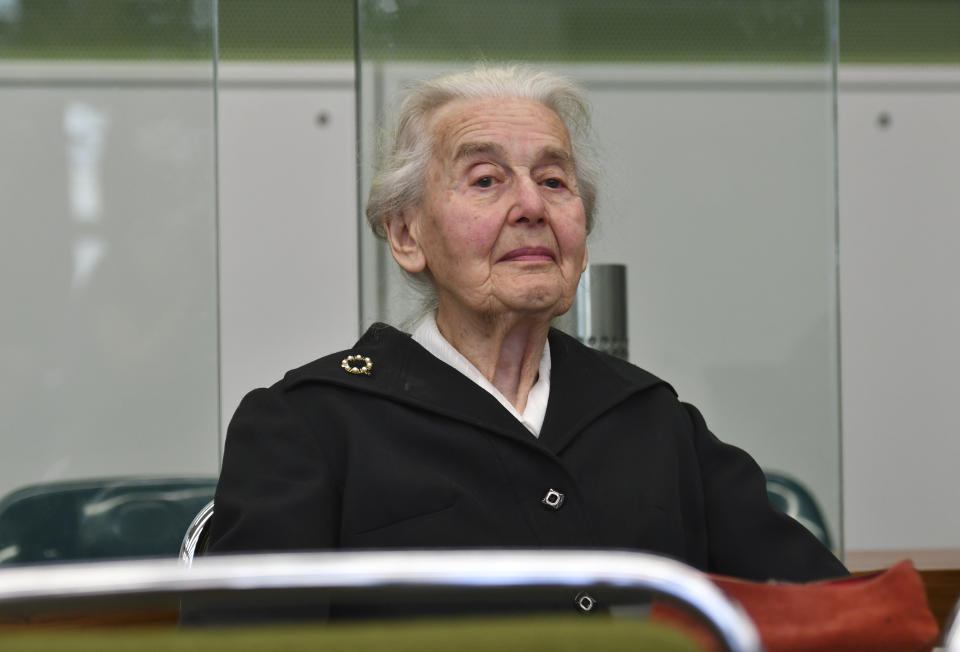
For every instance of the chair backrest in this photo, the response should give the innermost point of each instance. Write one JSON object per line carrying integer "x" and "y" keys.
{"x": 99, "y": 518}
{"x": 197, "y": 534}
{"x": 795, "y": 500}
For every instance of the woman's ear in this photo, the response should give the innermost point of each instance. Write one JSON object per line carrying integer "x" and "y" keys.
{"x": 403, "y": 242}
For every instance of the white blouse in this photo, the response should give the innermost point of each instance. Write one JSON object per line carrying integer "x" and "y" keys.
{"x": 429, "y": 337}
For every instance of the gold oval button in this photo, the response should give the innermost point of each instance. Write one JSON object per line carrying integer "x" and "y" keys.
{"x": 346, "y": 365}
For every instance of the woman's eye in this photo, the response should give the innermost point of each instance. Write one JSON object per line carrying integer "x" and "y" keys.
{"x": 484, "y": 182}
{"x": 553, "y": 183}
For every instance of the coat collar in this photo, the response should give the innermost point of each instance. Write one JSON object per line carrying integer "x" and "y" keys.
{"x": 583, "y": 384}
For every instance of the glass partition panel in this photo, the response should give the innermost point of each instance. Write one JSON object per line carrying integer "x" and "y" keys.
{"x": 717, "y": 132}
{"x": 108, "y": 356}
{"x": 286, "y": 117}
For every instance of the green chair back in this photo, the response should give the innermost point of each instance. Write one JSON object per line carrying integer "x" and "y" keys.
{"x": 100, "y": 519}
{"x": 795, "y": 500}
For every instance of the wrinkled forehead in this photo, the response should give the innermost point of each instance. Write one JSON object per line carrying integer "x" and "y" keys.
{"x": 461, "y": 124}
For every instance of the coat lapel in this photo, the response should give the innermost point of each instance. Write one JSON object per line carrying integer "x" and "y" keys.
{"x": 405, "y": 372}
{"x": 583, "y": 385}
{"x": 434, "y": 385}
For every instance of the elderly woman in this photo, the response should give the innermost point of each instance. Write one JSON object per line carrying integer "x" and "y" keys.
{"x": 485, "y": 428}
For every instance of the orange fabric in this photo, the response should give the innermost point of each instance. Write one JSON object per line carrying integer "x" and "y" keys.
{"x": 880, "y": 612}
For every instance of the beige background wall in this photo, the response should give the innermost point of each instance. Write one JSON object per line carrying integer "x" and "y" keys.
{"x": 288, "y": 271}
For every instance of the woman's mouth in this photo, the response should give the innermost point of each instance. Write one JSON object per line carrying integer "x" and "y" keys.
{"x": 528, "y": 254}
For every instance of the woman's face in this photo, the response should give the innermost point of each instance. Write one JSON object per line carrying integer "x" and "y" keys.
{"x": 502, "y": 226}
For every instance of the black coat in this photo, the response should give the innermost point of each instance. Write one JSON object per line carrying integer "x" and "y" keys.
{"x": 416, "y": 455}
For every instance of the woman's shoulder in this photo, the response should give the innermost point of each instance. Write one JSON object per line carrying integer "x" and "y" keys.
{"x": 379, "y": 347}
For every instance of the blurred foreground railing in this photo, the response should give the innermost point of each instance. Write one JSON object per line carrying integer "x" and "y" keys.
{"x": 621, "y": 576}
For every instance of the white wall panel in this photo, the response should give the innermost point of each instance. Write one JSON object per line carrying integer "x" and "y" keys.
{"x": 900, "y": 293}
{"x": 288, "y": 229}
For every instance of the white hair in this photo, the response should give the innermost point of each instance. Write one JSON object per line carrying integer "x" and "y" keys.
{"x": 401, "y": 179}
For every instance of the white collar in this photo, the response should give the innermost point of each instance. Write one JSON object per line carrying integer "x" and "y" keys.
{"x": 429, "y": 337}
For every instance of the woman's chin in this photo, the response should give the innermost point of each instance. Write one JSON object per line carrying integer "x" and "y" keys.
{"x": 546, "y": 301}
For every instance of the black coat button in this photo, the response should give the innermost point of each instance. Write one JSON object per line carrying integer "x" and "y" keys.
{"x": 553, "y": 499}
{"x": 585, "y": 602}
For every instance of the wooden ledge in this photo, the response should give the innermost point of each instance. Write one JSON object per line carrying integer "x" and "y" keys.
{"x": 922, "y": 558}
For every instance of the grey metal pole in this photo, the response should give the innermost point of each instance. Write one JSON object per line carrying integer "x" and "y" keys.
{"x": 598, "y": 317}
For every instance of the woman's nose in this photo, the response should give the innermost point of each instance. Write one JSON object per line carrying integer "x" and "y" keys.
{"x": 528, "y": 206}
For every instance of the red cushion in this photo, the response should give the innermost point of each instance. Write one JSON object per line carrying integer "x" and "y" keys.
{"x": 883, "y": 611}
